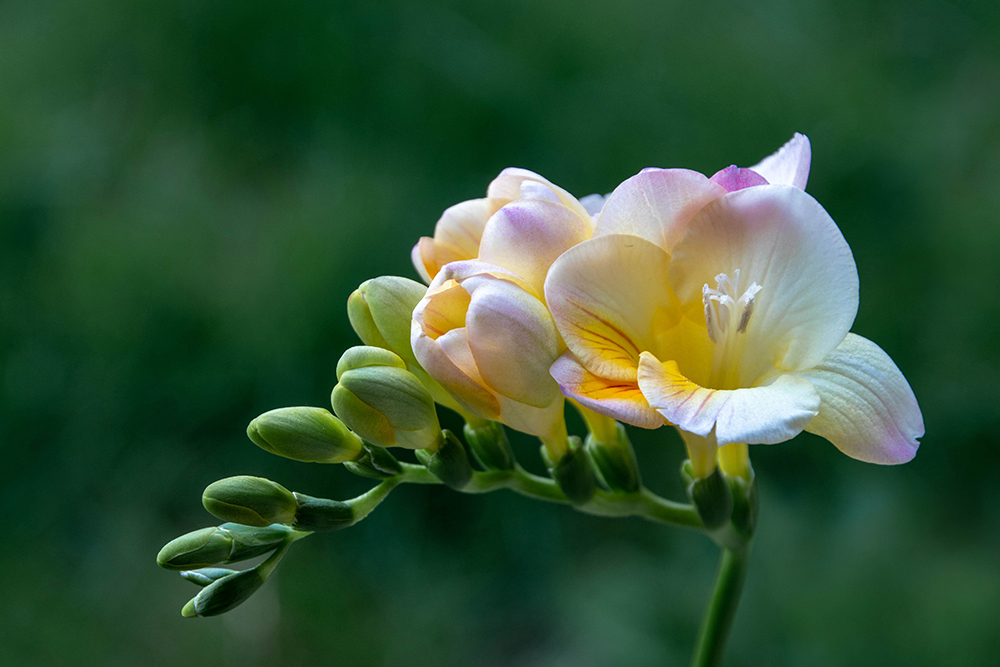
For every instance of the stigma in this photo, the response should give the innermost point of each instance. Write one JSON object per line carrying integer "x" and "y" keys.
{"x": 725, "y": 314}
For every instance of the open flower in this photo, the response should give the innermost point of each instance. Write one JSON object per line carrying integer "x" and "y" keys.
{"x": 727, "y": 313}
{"x": 460, "y": 232}
{"x": 485, "y": 335}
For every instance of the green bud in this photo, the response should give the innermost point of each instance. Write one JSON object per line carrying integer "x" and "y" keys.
{"x": 745, "y": 504}
{"x": 449, "y": 462}
{"x": 251, "y": 501}
{"x": 306, "y": 434}
{"x": 712, "y": 498}
{"x": 380, "y": 311}
{"x": 207, "y": 575}
{"x": 383, "y": 402}
{"x": 615, "y": 462}
{"x": 490, "y": 446}
{"x": 574, "y": 473}
{"x": 250, "y": 541}
{"x": 316, "y": 514}
{"x": 224, "y": 594}
{"x": 375, "y": 463}
{"x": 199, "y": 548}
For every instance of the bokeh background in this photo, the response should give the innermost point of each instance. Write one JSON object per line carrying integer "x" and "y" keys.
{"x": 190, "y": 190}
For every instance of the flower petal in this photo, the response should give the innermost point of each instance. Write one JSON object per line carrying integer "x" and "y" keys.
{"x": 759, "y": 415}
{"x": 618, "y": 399}
{"x": 448, "y": 359}
{"x": 789, "y": 165}
{"x": 656, "y": 204}
{"x": 782, "y": 239}
{"x": 868, "y": 410}
{"x": 527, "y": 236}
{"x": 514, "y": 341}
{"x": 541, "y": 422}
{"x": 608, "y": 295}
{"x": 508, "y": 185}
{"x": 733, "y": 178}
{"x": 593, "y": 204}
{"x": 422, "y": 257}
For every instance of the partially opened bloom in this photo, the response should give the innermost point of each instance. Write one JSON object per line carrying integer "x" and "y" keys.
{"x": 461, "y": 230}
{"x": 486, "y": 336}
{"x": 723, "y": 306}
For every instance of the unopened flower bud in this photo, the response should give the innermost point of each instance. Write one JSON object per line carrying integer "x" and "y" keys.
{"x": 251, "y": 501}
{"x": 490, "y": 446}
{"x": 712, "y": 498}
{"x": 383, "y": 402}
{"x": 207, "y": 575}
{"x": 375, "y": 463}
{"x": 319, "y": 514}
{"x": 574, "y": 473}
{"x": 250, "y": 542}
{"x": 615, "y": 461}
{"x": 380, "y": 311}
{"x": 199, "y": 548}
{"x": 304, "y": 434}
{"x": 448, "y": 462}
{"x": 224, "y": 594}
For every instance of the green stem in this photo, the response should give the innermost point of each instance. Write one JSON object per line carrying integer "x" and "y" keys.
{"x": 721, "y": 607}
{"x": 643, "y": 503}
{"x": 368, "y": 501}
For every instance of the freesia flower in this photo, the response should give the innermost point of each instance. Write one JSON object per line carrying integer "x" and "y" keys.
{"x": 460, "y": 232}
{"x": 486, "y": 336}
{"x": 723, "y": 306}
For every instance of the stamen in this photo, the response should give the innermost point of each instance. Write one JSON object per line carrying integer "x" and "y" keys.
{"x": 719, "y": 316}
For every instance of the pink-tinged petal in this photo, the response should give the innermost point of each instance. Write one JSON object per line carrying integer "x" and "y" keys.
{"x": 656, "y": 204}
{"x": 789, "y": 165}
{"x": 618, "y": 399}
{"x": 733, "y": 178}
{"x": 449, "y": 360}
{"x": 760, "y": 415}
{"x": 422, "y": 257}
{"x": 608, "y": 296}
{"x": 867, "y": 408}
{"x": 525, "y": 237}
{"x": 513, "y": 341}
{"x": 508, "y": 185}
{"x": 593, "y": 204}
{"x": 782, "y": 239}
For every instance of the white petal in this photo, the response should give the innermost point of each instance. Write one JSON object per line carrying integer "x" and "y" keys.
{"x": 525, "y": 237}
{"x": 449, "y": 360}
{"x": 657, "y": 204}
{"x": 618, "y": 399}
{"x": 608, "y": 296}
{"x": 542, "y": 422}
{"x": 760, "y": 415}
{"x": 593, "y": 203}
{"x": 509, "y": 183}
{"x": 782, "y": 239}
{"x": 868, "y": 409}
{"x": 789, "y": 165}
{"x": 514, "y": 341}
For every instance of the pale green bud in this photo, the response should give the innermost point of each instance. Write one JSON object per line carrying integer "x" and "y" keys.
{"x": 375, "y": 463}
{"x": 206, "y": 575}
{"x": 251, "y": 501}
{"x": 250, "y": 541}
{"x": 224, "y": 594}
{"x": 316, "y": 514}
{"x": 305, "y": 434}
{"x": 574, "y": 473}
{"x": 713, "y": 499}
{"x": 380, "y": 311}
{"x": 199, "y": 548}
{"x": 383, "y": 402}
{"x": 490, "y": 446}
{"x": 448, "y": 462}
{"x": 615, "y": 461}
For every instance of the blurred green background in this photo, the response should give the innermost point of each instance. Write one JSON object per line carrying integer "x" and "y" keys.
{"x": 190, "y": 190}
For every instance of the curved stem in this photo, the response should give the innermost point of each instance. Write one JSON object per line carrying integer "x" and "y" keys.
{"x": 722, "y": 606}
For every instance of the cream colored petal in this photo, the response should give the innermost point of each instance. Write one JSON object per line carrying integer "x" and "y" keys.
{"x": 761, "y": 415}
{"x": 541, "y": 422}
{"x": 782, "y": 239}
{"x": 657, "y": 204}
{"x": 422, "y": 257}
{"x": 458, "y": 232}
{"x": 618, "y": 399}
{"x": 513, "y": 341}
{"x": 527, "y": 236}
{"x": 867, "y": 408}
{"x": 508, "y": 185}
{"x": 448, "y": 360}
{"x": 608, "y": 295}
{"x": 789, "y": 165}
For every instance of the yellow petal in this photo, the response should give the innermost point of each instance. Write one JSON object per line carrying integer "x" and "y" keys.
{"x": 619, "y": 399}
